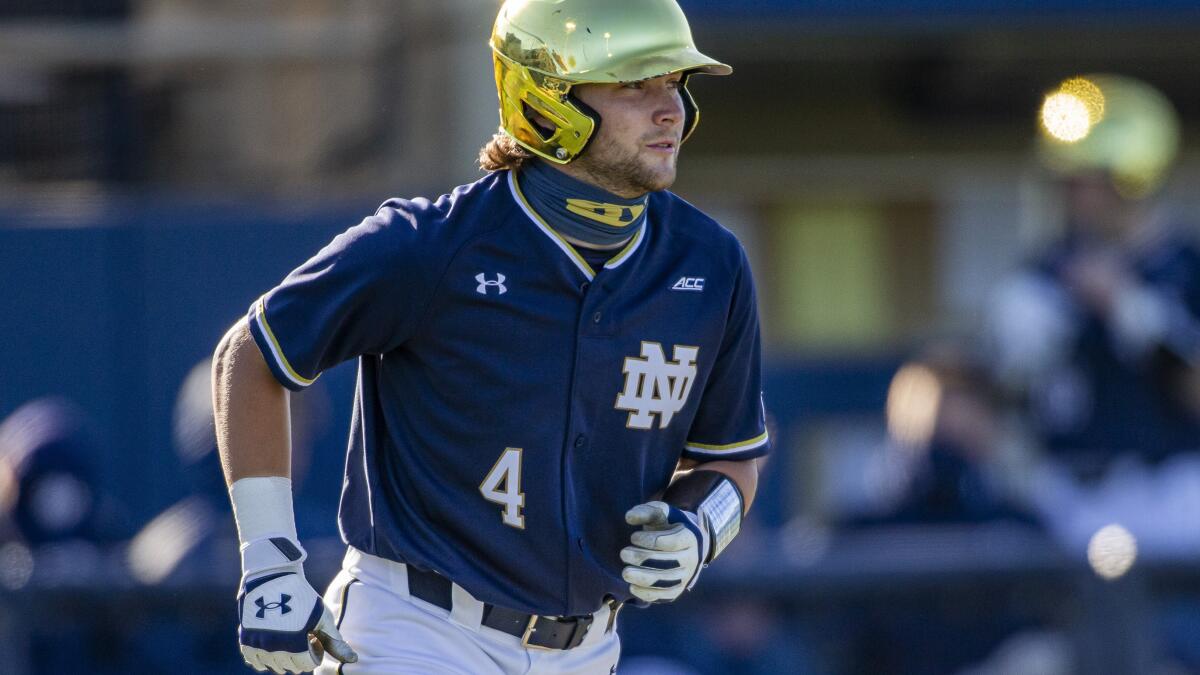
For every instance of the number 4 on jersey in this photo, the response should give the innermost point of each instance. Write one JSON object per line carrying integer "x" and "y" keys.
{"x": 503, "y": 486}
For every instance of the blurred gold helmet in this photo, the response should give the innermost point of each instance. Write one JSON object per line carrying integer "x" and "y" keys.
{"x": 1110, "y": 123}
{"x": 542, "y": 48}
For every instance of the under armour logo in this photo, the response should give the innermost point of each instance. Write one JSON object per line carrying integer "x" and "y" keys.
{"x": 655, "y": 386}
{"x": 263, "y": 606}
{"x": 484, "y": 282}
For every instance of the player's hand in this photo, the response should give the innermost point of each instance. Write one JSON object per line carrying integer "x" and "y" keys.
{"x": 667, "y": 553}
{"x": 283, "y": 625}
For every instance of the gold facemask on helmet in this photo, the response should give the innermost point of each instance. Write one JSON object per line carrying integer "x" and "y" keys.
{"x": 1110, "y": 123}
{"x": 541, "y": 48}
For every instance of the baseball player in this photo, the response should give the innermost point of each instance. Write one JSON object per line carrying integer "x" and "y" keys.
{"x": 558, "y": 404}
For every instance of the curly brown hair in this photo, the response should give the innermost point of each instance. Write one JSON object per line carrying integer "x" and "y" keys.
{"x": 502, "y": 152}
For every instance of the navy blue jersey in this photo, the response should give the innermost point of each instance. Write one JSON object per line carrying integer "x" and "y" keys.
{"x": 513, "y": 403}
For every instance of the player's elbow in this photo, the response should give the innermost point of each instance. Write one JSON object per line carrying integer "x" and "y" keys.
{"x": 236, "y": 350}
{"x": 239, "y": 369}
{"x": 228, "y": 346}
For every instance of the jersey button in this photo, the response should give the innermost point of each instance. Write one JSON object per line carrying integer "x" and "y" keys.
{"x": 596, "y": 317}
{"x": 584, "y": 286}
{"x": 580, "y": 440}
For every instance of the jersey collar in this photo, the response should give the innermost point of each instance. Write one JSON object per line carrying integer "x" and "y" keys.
{"x": 564, "y": 245}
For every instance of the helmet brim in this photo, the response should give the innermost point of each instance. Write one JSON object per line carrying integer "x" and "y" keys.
{"x": 648, "y": 66}
{"x": 677, "y": 61}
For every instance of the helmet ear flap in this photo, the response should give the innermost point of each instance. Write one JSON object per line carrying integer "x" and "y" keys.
{"x": 590, "y": 112}
{"x": 525, "y": 95}
{"x": 691, "y": 113}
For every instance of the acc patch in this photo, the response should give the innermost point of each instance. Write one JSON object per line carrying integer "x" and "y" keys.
{"x": 689, "y": 284}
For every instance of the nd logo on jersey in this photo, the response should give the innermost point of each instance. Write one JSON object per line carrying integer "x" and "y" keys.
{"x": 656, "y": 386}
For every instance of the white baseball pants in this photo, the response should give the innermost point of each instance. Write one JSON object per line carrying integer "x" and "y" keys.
{"x": 396, "y": 634}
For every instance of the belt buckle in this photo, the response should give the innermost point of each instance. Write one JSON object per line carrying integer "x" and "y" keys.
{"x": 530, "y": 629}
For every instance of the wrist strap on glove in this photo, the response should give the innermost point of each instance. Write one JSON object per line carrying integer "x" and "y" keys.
{"x": 262, "y": 507}
{"x": 717, "y": 502}
{"x": 272, "y": 553}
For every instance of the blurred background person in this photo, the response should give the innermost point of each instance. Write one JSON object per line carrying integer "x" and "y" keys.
{"x": 946, "y": 465}
{"x": 947, "y": 446}
{"x": 49, "y": 493}
{"x": 1098, "y": 336}
{"x": 1097, "y": 340}
{"x": 57, "y": 522}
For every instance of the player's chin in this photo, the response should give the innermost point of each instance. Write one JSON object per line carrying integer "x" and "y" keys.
{"x": 665, "y": 182}
{"x": 658, "y": 176}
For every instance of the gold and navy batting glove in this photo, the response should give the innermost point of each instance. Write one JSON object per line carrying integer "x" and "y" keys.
{"x": 698, "y": 517}
{"x": 283, "y": 625}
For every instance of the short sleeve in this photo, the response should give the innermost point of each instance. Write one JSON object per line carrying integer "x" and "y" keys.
{"x": 731, "y": 421}
{"x": 361, "y": 294}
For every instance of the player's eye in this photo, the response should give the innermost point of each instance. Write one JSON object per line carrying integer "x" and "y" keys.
{"x": 633, "y": 85}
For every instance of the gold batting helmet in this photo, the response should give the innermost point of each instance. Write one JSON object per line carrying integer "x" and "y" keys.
{"x": 1110, "y": 123}
{"x": 542, "y": 48}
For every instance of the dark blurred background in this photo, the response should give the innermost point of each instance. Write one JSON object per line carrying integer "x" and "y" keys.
{"x": 979, "y": 355}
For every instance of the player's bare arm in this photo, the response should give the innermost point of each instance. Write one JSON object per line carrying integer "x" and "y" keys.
{"x": 250, "y": 410}
{"x": 284, "y": 625}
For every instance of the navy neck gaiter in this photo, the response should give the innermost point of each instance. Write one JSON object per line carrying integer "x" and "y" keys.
{"x": 578, "y": 210}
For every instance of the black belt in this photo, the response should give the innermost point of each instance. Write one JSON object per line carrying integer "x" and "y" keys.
{"x": 539, "y": 632}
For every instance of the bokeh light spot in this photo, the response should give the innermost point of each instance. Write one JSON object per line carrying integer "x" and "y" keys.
{"x": 912, "y": 405}
{"x": 1089, "y": 93}
{"x": 1112, "y": 551}
{"x": 1070, "y": 112}
{"x": 1065, "y": 117}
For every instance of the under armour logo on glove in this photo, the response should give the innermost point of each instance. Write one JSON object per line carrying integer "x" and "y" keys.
{"x": 290, "y": 634}
{"x": 263, "y": 605}
{"x": 484, "y": 283}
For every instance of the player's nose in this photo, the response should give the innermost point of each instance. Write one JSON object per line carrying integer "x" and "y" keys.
{"x": 669, "y": 108}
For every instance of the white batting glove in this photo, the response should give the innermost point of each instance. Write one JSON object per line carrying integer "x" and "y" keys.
{"x": 667, "y": 553}
{"x": 283, "y": 625}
